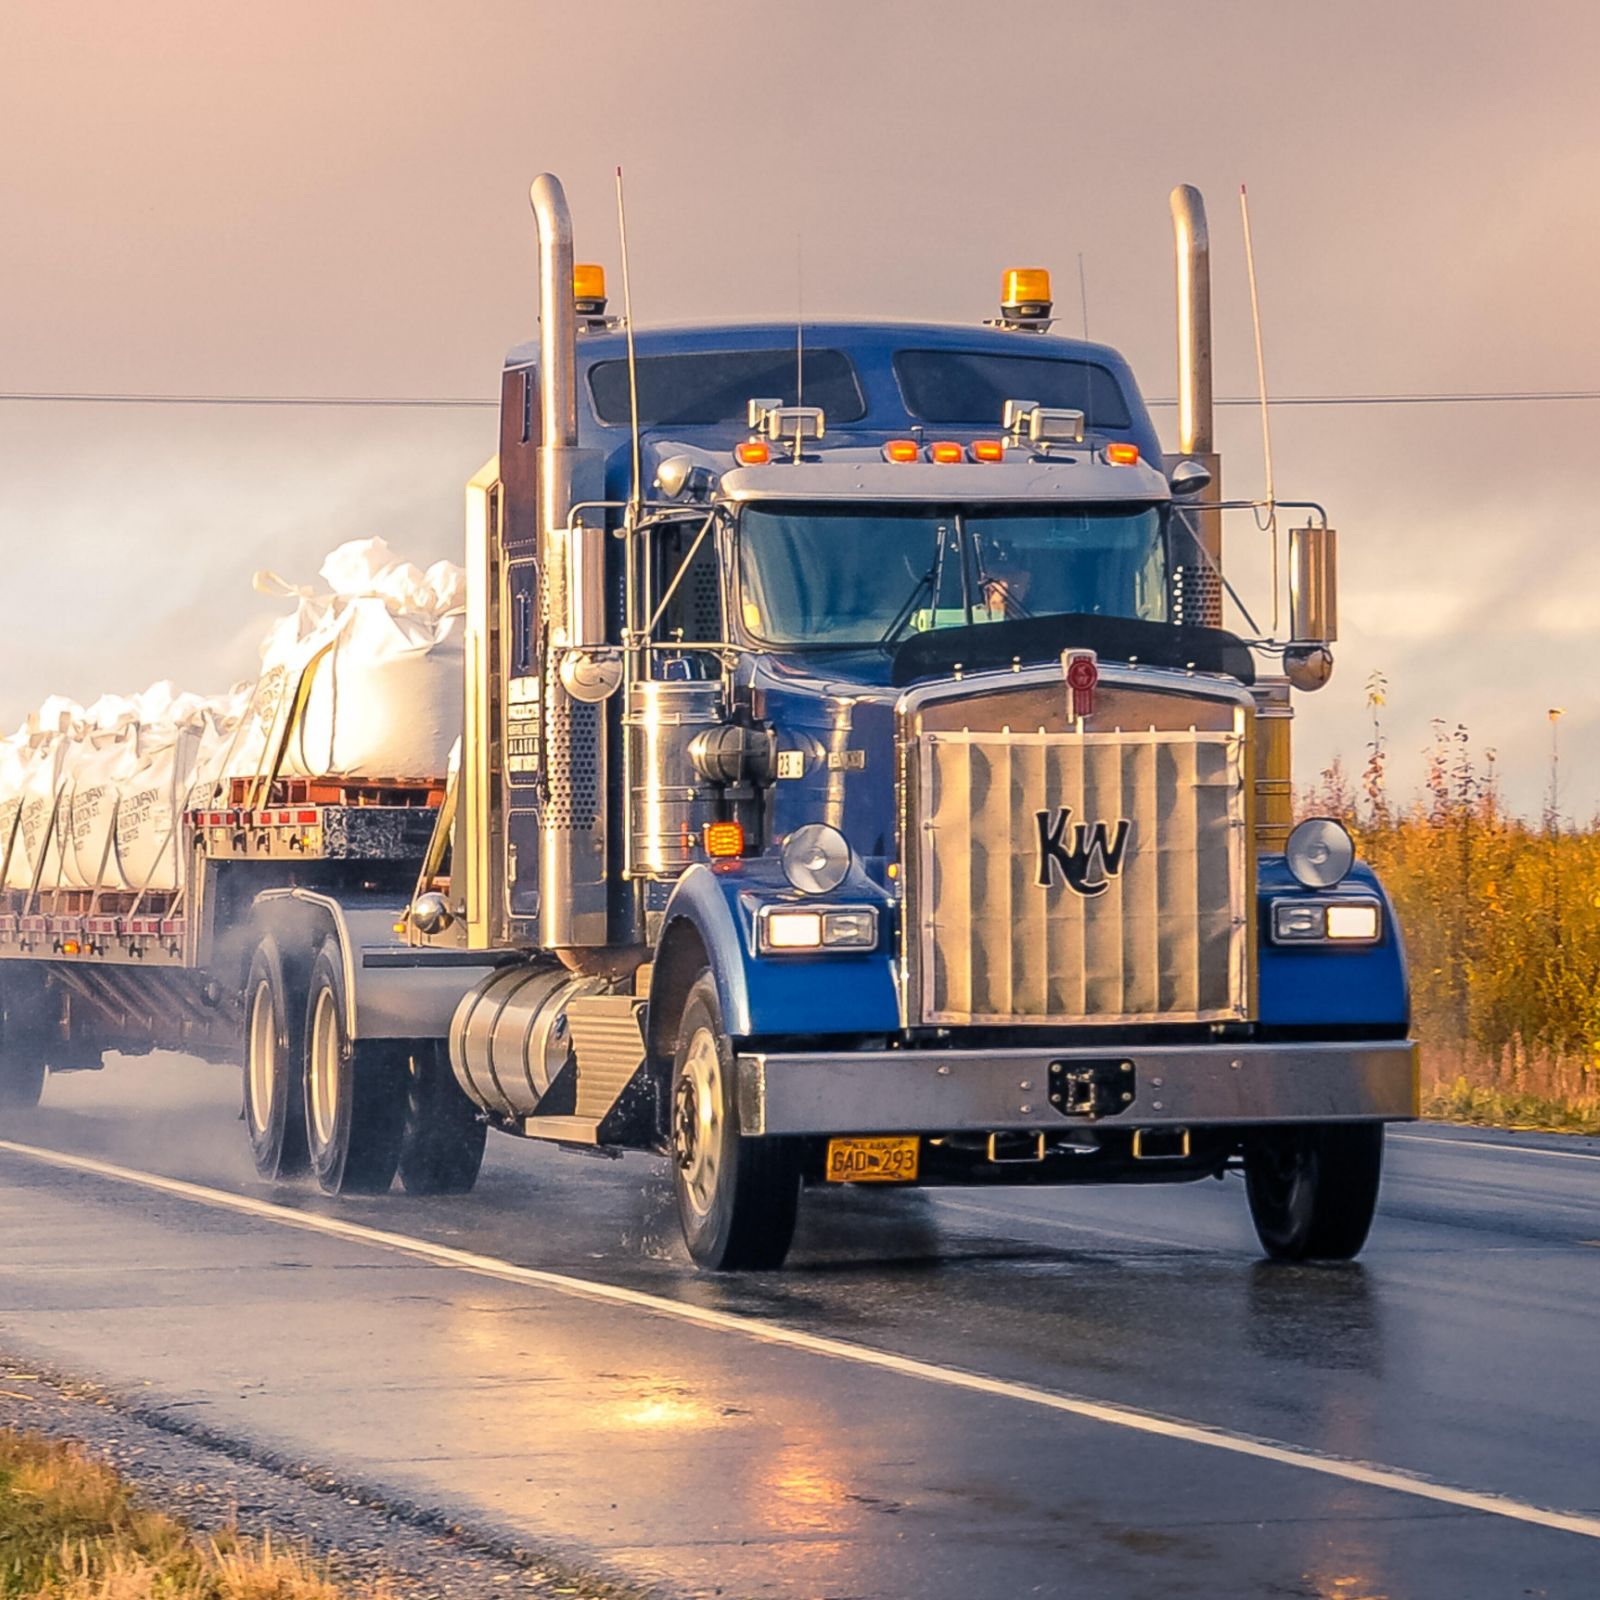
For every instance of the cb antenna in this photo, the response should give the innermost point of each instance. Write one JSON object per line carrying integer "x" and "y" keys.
{"x": 1261, "y": 383}
{"x": 799, "y": 338}
{"x": 635, "y": 500}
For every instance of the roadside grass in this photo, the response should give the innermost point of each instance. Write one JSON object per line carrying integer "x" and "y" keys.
{"x": 1465, "y": 1101}
{"x": 1501, "y": 921}
{"x": 72, "y": 1529}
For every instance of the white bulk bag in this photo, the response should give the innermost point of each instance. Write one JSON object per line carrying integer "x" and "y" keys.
{"x": 149, "y": 838}
{"x": 94, "y": 767}
{"x": 12, "y": 752}
{"x": 40, "y": 787}
{"x": 385, "y": 699}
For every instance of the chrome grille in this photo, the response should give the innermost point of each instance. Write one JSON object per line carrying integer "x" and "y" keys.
{"x": 1160, "y": 934}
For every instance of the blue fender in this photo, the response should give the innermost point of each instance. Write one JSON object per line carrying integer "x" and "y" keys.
{"x": 1363, "y": 986}
{"x": 764, "y": 995}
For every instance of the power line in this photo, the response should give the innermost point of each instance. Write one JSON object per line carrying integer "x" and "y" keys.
{"x": 471, "y": 403}
{"x": 366, "y": 401}
{"x": 1485, "y": 397}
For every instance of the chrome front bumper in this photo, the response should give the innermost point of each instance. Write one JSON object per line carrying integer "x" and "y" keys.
{"x": 986, "y": 1091}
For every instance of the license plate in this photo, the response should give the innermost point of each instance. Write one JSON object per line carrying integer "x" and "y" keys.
{"x": 880, "y": 1160}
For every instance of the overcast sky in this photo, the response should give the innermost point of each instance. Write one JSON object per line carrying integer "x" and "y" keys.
{"x": 316, "y": 199}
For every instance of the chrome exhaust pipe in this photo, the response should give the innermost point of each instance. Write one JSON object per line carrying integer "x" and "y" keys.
{"x": 1193, "y": 249}
{"x": 558, "y": 348}
{"x": 1200, "y": 586}
{"x": 573, "y": 855}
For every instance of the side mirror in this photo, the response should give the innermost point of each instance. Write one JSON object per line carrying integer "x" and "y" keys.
{"x": 1313, "y": 586}
{"x": 430, "y": 913}
{"x": 1189, "y": 477}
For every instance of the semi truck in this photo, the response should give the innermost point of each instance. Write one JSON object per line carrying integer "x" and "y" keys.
{"x": 857, "y": 784}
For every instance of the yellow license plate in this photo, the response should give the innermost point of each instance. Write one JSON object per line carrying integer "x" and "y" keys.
{"x": 879, "y": 1160}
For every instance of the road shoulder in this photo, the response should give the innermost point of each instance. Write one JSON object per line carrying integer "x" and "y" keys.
{"x": 213, "y": 1484}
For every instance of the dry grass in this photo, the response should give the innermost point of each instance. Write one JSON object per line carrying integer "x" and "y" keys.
{"x": 71, "y": 1529}
{"x": 1501, "y": 919}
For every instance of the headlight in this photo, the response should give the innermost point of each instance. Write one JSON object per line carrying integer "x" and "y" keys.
{"x": 1326, "y": 921}
{"x": 783, "y": 929}
{"x": 816, "y": 858}
{"x": 1320, "y": 853}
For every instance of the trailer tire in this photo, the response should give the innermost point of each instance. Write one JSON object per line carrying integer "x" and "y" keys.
{"x": 738, "y": 1197}
{"x": 274, "y": 1077}
{"x": 355, "y": 1090}
{"x": 23, "y": 999}
{"x": 1313, "y": 1190}
{"x": 444, "y": 1133}
{"x": 22, "y": 1052}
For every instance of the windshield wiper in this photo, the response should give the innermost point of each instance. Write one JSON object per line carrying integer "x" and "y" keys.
{"x": 929, "y": 581}
{"x": 932, "y": 580}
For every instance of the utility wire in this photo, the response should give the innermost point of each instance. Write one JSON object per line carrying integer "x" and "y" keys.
{"x": 366, "y": 401}
{"x": 470, "y": 403}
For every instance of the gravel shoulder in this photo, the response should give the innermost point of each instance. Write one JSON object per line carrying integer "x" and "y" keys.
{"x": 212, "y": 1484}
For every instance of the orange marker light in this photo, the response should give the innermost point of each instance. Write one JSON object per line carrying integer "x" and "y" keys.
{"x": 724, "y": 839}
{"x": 1122, "y": 455}
{"x": 988, "y": 450}
{"x": 753, "y": 453}
{"x": 945, "y": 453}
{"x": 901, "y": 450}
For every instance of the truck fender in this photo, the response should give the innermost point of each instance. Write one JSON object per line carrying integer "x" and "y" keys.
{"x": 764, "y": 995}
{"x": 700, "y": 926}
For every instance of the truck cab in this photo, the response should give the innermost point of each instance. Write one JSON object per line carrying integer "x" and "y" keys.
{"x": 859, "y": 783}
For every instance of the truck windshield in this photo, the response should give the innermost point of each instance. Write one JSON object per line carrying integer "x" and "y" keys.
{"x": 872, "y": 575}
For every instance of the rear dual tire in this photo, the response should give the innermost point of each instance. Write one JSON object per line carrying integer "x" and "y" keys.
{"x": 353, "y": 1113}
{"x": 444, "y": 1132}
{"x": 355, "y": 1091}
{"x": 22, "y": 1066}
{"x": 274, "y": 1062}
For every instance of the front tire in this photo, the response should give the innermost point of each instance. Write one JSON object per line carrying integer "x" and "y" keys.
{"x": 274, "y": 1029}
{"x": 355, "y": 1091}
{"x": 444, "y": 1133}
{"x": 1313, "y": 1190}
{"x": 737, "y": 1198}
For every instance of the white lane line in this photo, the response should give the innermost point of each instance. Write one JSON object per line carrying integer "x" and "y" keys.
{"x": 1443, "y": 1142}
{"x": 1369, "y": 1474}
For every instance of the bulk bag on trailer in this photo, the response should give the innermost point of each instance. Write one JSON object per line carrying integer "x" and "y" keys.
{"x": 370, "y": 674}
{"x": 95, "y": 765}
{"x": 150, "y": 811}
{"x": 385, "y": 700}
{"x": 36, "y": 834}
{"x": 12, "y": 752}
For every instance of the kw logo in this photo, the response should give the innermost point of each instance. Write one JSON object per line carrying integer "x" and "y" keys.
{"x": 1100, "y": 845}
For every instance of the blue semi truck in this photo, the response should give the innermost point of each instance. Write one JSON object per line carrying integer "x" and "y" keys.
{"x": 857, "y": 784}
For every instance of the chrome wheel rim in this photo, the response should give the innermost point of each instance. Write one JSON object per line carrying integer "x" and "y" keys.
{"x": 697, "y": 1122}
{"x": 262, "y": 1067}
{"x": 325, "y": 1064}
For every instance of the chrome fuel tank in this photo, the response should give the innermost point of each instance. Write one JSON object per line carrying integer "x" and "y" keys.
{"x": 509, "y": 1037}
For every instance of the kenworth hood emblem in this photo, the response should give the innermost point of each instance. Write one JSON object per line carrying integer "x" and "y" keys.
{"x": 1094, "y": 858}
{"x": 1081, "y": 668}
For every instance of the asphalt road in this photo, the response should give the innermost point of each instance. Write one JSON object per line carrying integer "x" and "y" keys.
{"x": 1099, "y": 1393}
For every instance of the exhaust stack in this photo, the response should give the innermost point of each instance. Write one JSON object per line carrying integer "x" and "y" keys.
{"x": 573, "y": 846}
{"x": 1200, "y": 583}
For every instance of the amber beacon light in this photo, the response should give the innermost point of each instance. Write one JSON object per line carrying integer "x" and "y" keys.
{"x": 589, "y": 289}
{"x": 1025, "y": 296}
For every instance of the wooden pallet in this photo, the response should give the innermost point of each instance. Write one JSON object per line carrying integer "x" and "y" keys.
{"x": 351, "y": 791}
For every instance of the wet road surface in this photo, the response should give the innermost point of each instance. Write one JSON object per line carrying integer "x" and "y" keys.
{"x": 950, "y": 1393}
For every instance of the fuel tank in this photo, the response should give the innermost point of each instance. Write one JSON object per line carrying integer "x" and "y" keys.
{"x": 509, "y": 1037}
